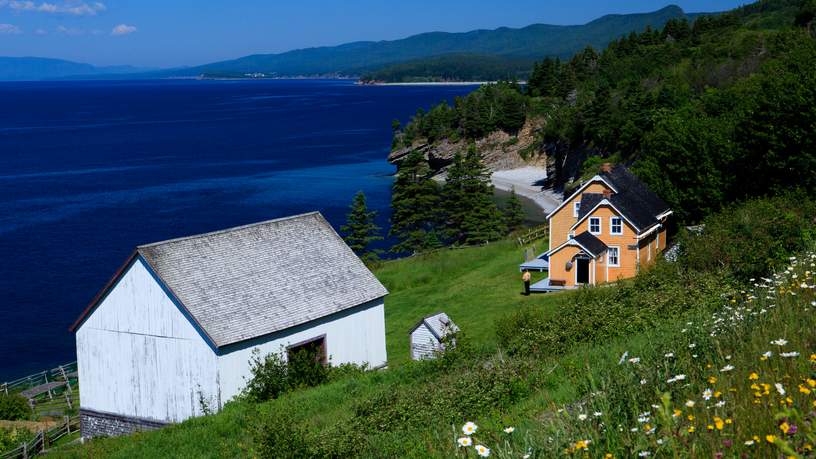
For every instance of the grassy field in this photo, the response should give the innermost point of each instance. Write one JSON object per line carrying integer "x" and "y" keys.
{"x": 474, "y": 286}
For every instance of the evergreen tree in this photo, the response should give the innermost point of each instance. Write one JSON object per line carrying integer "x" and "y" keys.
{"x": 513, "y": 212}
{"x": 414, "y": 206}
{"x": 471, "y": 214}
{"x": 360, "y": 229}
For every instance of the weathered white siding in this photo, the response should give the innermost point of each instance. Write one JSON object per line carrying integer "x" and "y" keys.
{"x": 356, "y": 335}
{"x": 139, "y": 356}
{"x": 423, "y": 343}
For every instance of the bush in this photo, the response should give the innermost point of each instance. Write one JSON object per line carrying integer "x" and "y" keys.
{"x": 14, "y": 407}
{"x": 753, "y": 238}
{"x": 271, "y": 376}
{"x": 11, "y": 438}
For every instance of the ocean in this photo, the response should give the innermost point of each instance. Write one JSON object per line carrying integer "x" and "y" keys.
{"x": 89, "y": 170}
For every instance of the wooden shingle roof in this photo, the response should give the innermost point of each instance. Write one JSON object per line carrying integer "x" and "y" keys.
{"x": 246, "y": 282}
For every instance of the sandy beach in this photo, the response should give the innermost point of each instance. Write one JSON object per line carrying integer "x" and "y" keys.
{"x": 527, "y": 182}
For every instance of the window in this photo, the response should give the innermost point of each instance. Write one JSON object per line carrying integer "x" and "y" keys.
{"x": 595, "y": 225}
{"x": 576, "y": 208}
{"x": 315, "y": 348}
{"x": 613, "y": 256}
{"x": 615, "y": 226}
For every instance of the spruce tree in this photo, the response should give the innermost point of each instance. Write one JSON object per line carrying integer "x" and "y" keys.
{"x": 513, "y": 211}
{"x": 360, "y": 229}
{"x": 471, "y": 213}
{"x": 414, "y": 206}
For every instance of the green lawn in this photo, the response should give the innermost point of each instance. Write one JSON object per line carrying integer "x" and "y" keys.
{"x": 474, "y": 286}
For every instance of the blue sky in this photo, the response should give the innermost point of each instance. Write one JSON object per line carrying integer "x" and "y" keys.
{"x": 166, "y": 33}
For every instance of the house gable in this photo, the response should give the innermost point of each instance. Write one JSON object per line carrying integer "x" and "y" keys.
{"x": 562, "y": 218}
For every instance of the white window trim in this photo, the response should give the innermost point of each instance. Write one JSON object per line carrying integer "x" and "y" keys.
{"x": 609, "y": 259}
{"x": 611, "y": 230}
{"x": 600, "y": 225}
{"x": 576, "y": 208}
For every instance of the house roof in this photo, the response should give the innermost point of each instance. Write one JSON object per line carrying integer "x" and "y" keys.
{"x": 245, "y": 282}
{"x": 633, "y": 198}
{"x": 439, "y": 324}
{"x": 586, "y": 241}
{"x": 590, "y": 243}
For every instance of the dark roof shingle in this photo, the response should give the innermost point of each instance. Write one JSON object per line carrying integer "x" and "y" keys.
{"x": 590, "y": 243}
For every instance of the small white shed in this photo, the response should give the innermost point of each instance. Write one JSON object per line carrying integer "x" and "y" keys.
{"x": 172, "y": 333}
{"x": 427, "y": 335}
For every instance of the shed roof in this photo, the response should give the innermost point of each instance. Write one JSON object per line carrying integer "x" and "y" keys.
{"x": 253, "y": 280}
{"x": 439, "y": 324}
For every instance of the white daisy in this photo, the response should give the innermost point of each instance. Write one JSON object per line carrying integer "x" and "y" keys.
{"x": 469, "y": 428}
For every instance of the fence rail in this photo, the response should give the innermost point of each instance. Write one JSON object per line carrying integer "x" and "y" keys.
{"x": 50, "y": 392}
{"x": 533, "y": 235}
{"x": 43, "y": 440}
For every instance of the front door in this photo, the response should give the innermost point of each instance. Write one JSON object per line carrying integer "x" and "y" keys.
{"x": 582, "y": 271}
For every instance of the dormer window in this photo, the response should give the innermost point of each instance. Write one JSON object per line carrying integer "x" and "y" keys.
{"x": 615, "y": 226}
{"x": 595, "y": 225}
{"x": 576, "y": 208}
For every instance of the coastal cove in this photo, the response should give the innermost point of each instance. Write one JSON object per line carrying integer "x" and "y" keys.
{"x": 89, "y": 170}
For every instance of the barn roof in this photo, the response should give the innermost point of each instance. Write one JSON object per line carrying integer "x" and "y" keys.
{"x": 249, "y": 281}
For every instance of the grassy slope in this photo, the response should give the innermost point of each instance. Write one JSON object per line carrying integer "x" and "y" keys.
{"x": 473, "y": 286}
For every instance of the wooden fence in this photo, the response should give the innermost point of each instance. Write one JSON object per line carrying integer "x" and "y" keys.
{"x": 533, "y": 234}
{"x": 50, "y": 392}
{"x": 43, "y": 440}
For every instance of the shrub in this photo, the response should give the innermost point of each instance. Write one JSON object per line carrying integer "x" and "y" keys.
{"x": 14, "y": 407}
{"x": 11, "y": 438}
{"x": 305, "y": 369}
{"x": 269, "y": 377}
{"x": 752, "y": 238}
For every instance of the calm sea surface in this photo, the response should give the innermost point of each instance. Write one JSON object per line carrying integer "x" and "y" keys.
{"x": 89, "y": 170}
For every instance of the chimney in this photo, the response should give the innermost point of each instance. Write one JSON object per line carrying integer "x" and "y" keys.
{"x": 606, "y": 167}
{"x": 607, "y": 193}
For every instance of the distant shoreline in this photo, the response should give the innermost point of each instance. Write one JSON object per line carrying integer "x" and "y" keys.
{"x": 431, "y": 83}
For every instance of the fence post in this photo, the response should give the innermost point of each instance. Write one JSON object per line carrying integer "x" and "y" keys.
{"x": 68, "y": 424}
{"x": 25, "y": 450}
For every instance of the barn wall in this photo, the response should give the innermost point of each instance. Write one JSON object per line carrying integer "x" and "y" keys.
{"x": 356, "y": 335}
{"x": 423, "y": 343}
{"x": 140, "y": 357}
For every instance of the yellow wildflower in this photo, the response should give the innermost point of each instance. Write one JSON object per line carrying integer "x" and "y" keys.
{"x": 710, "y": 427}
{"x": 609, "y": 456}
{"x": 789, "y": 401}
{"x": 754, "y": 386}
{"x": 690, "y": 417}
{"x": 753, "y": 377}
{"x": 581, "y": 444}
{"x": 676, "y": 413}
{"x": 770, "y": 438}
{"x": 811, "y": 382}
{"x": 718, "y": 422}
{"x": 813, "y": 358}
{"x": 756, "y": 438}
{"x": 804, "y": 389}
{"x": 691, "y": 429}
{"x": 717, "y": 394}
{"x": 712, "y": 380}
{"x": 729, "y": 421}
{"x": 808, "y": 447}
{"x": 784, "y": 427}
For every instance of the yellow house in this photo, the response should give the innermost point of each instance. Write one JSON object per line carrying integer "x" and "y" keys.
{"x": 606, "y": 230}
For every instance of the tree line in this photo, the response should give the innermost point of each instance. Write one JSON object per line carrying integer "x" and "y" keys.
{"x": 706, "y": 111}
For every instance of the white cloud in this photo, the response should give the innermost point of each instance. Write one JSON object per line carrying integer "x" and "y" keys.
{"x": 9, "y": 29}
{"x": 123, "y": 29}
{"x": 41, "y": 32}
{"x": 68, "y": 7}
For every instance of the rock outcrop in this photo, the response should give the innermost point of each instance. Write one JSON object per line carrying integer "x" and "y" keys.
{"x": 499, "y": 150}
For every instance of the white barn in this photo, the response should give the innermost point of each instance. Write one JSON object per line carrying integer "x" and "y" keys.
{"x": 428, "y": 333}
{"x": 174, "y": 329}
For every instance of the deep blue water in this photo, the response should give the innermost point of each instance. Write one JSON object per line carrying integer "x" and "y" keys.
{"x": 89, "y": 170}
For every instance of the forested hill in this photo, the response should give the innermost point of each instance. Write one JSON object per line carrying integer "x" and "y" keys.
{"x": 534, "y": 41}
{"x": 706, "y": 113}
